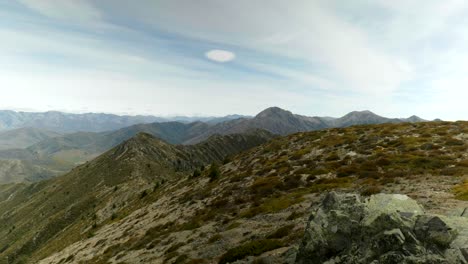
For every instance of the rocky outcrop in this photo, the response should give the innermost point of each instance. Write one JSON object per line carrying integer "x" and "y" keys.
{"x": 384, "y": 228}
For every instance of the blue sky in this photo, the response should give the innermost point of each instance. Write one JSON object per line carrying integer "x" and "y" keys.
{"x": 217, "y": 57}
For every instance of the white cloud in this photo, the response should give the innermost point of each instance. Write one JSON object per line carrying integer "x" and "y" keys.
{"x": 220, "y": 55}
{"x": 367, "y": 51}
{"x": 304, "y": 30}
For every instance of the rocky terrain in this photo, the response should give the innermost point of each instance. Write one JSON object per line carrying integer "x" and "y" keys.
{"x": 146, "y": 201}
{"x": 384, "y": 228}
{"x": 36, "y": 218}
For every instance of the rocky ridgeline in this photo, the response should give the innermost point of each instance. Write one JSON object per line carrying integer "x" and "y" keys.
{"x": 384, "y": 228}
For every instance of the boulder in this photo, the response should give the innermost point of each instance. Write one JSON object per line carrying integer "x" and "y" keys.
{"x": 381, "y": 229}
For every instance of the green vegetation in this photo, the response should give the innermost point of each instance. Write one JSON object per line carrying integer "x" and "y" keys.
{"x": 251, "y": 248}
{"x": 215, "y": 238}
{"x": 214, "y": 172}
{"x": 277, "y": 178}
{"x": 281, "y": 232}
{"x": 196, "y": 173}
{"x": 274, "y": 204}
{"x": 370, "y": 190}
{"x": 461, "y": 191}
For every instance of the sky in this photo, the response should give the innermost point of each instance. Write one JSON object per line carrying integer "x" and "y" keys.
{"x": 217, "y": 57}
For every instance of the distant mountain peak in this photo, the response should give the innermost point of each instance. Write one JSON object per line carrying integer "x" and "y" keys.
{"x": 414, "y": 119}
{"x": 363, "y": 112}
{"x": 273, "y": 111}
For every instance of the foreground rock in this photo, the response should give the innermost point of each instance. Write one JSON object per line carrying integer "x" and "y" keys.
{"x": 385, "y": 228}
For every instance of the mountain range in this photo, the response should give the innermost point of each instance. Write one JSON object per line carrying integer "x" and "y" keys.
{"x": 40, "y": 153}
{"x": 90, "y": 122}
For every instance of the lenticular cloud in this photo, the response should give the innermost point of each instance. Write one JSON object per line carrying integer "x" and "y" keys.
{"x": 220, "y": 55}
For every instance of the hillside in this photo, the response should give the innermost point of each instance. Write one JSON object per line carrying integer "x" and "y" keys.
{"x": 91, "y": 193}
{"x": 24, "y": 137}
{"x": 141, "y": 201}
{"x": 23, "y": 171}
{"x": 57, "y": 155}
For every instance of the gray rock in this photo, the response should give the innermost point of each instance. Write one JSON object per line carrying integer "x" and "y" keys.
{"x": 382, "y": 229}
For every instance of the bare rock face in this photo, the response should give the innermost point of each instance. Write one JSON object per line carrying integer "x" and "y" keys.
{"x": 381, "y": 229}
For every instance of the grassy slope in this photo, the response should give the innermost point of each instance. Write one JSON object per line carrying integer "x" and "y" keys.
{"x": 270, "y": 187}
{"x": 44, "y": 217}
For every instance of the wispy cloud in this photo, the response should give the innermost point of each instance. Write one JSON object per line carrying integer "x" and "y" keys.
{"x": 80, "y": 11}
{"x": 315, "y": 57}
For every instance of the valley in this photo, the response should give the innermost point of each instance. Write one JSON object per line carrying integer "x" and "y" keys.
{"x": 33, "y": 153}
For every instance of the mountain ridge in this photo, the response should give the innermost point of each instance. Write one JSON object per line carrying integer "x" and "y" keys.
{"x": 60, "y": 153}
{"x": 89, "y": 122}
{"x": 141, "y": 201}
{"x": 127, "y": 171}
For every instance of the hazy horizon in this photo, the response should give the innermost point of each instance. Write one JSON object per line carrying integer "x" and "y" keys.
{"x": 202, "y": 115}
{"x": 206, "y": 58}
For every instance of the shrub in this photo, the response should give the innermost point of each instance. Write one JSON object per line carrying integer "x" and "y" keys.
{"x": 226, "y": 160}
{"x": 294, "y": 215}
{"x": 454, "y": 142}
{"x": 174, "y": 247}
{"x": 273, "y": 205}
{"x": 346, "y": 171}
{"x": 292, "y": 182}
{"x": 461, "y": 191}
{"x": 181, "y": 259}
{"x": 383, "y": 162}
{"x": 428, "y": 163}
{"x": 196, "y": 173}
{"x": 214, "y": 172}
{"x": 370, "y": 190}
{"x": 463, "y": 163}
{"x": 266, "y": 186}
{"x": 368, "y": 174}
{"x": 215, "y": 238}
{"x": 190, "y": 225}
{"x": 252, "y": 248}
{"x": 332, "y": 157}
{"x": 311, "y": 171}
{"x": 451, "y": 171}
{"x": 233, "y": 225}
{"x": 219, "y": 203}
{"x": 281, "y": 232}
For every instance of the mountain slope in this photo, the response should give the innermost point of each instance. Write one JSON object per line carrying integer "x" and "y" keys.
{"x": 282, "y": 122}
{"x": 361, "y": 118}
{"x": 70, "y": 207}
{"x": 23, "y": 171}
{"x": 24, "y": 137}
{"x": 262, "y": 195}
{"x": 273, "y": 119}
{"x": 60, "y": 154}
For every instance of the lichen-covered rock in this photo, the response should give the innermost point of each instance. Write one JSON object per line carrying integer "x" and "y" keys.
{"x": 382, "y": 229}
